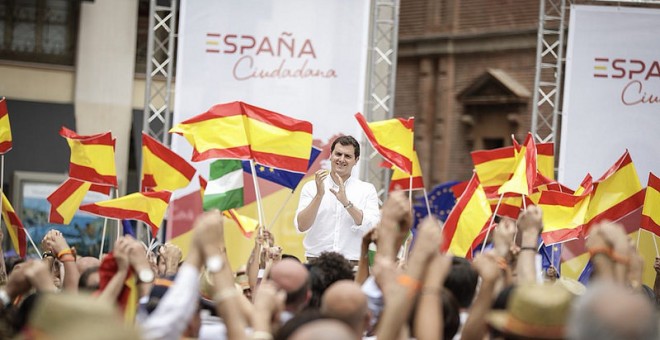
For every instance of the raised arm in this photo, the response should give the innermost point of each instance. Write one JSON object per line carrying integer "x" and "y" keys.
{"x": 310, "y": 202}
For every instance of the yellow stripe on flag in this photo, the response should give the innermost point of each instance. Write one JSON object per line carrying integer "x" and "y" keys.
{"x": 471, "y": 221}
{"x": 495, "y": 172}
{"x": 98, "y": 157}
{"x": 272, "y": 139}
{"x": 618, "y": 187}
{"x": 71, "y": 204}
{"x": 216, "y": 133}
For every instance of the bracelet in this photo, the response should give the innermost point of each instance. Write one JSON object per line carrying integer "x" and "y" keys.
{"x": 47, "y": 254}
{"x": 534, "y": 249}
{"x": 619, "y": 258}
{"x": 224, "y": 294}
{"x": 66, "y": 251}
{"x": 600, "y": 251}
{"x": 349, "y": 205}
{"x": 67, "y": 258}
{"x": 261, "y": 335}
{"x": 407, "y": 281}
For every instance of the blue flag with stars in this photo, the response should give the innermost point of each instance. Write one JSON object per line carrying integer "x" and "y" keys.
{"x": 441, "y": 201}
{"x": 551, "y": 256}
{"x": 284, "y": 178}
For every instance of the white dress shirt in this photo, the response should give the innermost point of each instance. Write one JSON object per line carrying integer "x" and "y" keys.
{"x": 334, "y": 229}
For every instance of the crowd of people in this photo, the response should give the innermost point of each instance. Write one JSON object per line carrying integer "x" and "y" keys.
{"x": 337, "y": 291}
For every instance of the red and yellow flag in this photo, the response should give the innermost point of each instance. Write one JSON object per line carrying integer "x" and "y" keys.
{"x": 564, "y": 214}
{"x": 162, "y": 168}
{"x": 524, "y": 173}
{"x": 241, "y": 131}
{"x": 467, "y": 219}
{"x": 5, "y": 128}
{"x": 616, "y": 194}
{"x": 392, "y": 138}
{"x": 545, "y": 159}
{"x": 148, "y": 207}
{"x": 127, "y": 300}
{"x": 202, "y": 185}
{"x": 246, "y": 224}
{"x": 651, "y": 211}
{"x": 401, "y": 180}
{"x": 66, "y": 199}
{"x": 494, "y": 167}
{"x": 14, "y": 227}
{"x": 92, "y": 157}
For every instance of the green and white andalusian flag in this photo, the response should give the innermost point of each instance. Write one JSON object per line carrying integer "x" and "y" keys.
{"x": 224, "y": 190}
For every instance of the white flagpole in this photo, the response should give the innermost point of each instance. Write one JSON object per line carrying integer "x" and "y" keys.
{"x": 260, "y": 208}
{"x": 32, "y": 242}
{"x": 277, "y": 215}
{"x": 491, "y": 222}
{"x": 105, "y": 225}
{"x": 410, "y": 191}
{"x": 655, "y": 243}
{"x": 639, "y": 233}
{"x": 426, "y": 199}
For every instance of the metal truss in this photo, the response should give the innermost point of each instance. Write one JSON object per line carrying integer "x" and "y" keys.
{"x": 549, "y": 70}
{"x": 381, "y": 77}
{"x": 160, "y": 63}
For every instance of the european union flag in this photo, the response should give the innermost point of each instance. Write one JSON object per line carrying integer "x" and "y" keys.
{"x": 552, "y": 256}
{"x": 284, "y": 178}
{"x": 441, "y": 201}
{"x": 128, "y": 228}
{"x": 586, "y": 273}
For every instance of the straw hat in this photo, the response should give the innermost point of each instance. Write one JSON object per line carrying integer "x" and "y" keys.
{"x": 534, "y": 311}
{"x": 69, "y": 316}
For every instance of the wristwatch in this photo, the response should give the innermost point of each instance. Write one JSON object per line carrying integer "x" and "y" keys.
{"x": 146, "y": 276}
{"x": 214, "y": 264}
{"x": 349, "y": 205}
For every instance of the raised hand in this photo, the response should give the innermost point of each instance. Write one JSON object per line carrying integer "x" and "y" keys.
{"x": 319, "y": 177}
{"x": 340, "y": 192}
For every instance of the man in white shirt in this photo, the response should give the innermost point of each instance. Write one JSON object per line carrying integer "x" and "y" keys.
{"x": 337, "y": 209}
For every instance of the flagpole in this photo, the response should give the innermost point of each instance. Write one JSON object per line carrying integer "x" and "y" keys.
{"x": 31, "y": 241}
{"x": 639, "y": 233}
{"x": 491, "y": 223}
{"x": 426, "y": 199}
{"x": 277, "y": 215}
{"x": 655, "y": 243}
{"x": 260, "y": 209}
{"x": 410, "y": 192}
{"x": 105, "y": 225}
{"x": 2, "y": 172}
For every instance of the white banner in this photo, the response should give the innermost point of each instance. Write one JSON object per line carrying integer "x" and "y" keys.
{"x": 301, "y": 58}
{"x": 611, "y": 92}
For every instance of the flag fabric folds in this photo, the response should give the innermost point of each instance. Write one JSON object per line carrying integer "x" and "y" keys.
{"x": 92, "y": 157}
{"x": 493, "y": 167}
{"x": 289, "y": 179}
{"x": 468, "y": 218}
{"x": 651, "y": 211}
{"x": 148, "y": 207}
{"x": 241, "y": 131}
{"x": 162, "y": 168}
{"x": 246, "y": 224}
{"x": 564, "y": 215}
{"x": 616, "y": 194}
{"x": 545, "y": 159}
{"x": 5, "y": 128}
{"x": 441, "y": 201}
{"x": 401, "y": 179}
{"x": 224, "y": 189}
{"x": 14, "y": 227}
{"x": 66, "y": 199}
{"x": 524, "y": 173}
{"x": 127, "y": 300}
{"x": 392, "y": 138}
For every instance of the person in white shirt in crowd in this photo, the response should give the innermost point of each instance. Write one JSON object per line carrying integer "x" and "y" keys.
{"x": 337, "y": 209}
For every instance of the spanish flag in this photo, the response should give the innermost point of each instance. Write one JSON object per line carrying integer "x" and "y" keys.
{"x": 401, "y": 180}
{"x": 616, "y": 194}
{"x": 545, "y": 159}
{"x": 128, "y": 296}
{"x": 468, "y": 218}
{"x": 92, "y": 157}
{"x": 148, "y": 207}
{"x": 5, "y": 128}
{"x": 494, "y": 167}
{"x": 524, "y": 173}
{"x": 246, "y": 224}
{"x": 66, "y": 199}
{"x": 277, "y": 140}
{"x": 564, "y": 214}
{"x": 241, "y": 131}
{"x": 162, "y": 168}
{"x": 202, "y": 185}
{"x": 14, "y": 227}
{"x": 392, "y": 138}
{"x": 651, "y": 211}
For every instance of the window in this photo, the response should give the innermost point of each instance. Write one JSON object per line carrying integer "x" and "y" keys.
{"x": 493, "y": 143}
{"x": 42, "y": 31}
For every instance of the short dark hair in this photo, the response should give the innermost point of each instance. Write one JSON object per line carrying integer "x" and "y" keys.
{"x": 347, "y": 140}
{"x": 462, "y": 281}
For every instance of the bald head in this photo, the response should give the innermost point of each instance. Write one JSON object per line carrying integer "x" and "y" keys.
{"x": 293, "y": 277}
{"x": 85, "y": 262}
{"x": 345, "y": 301}
{"x": 324, "y": 329}
{"x": 608, "y": 311}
